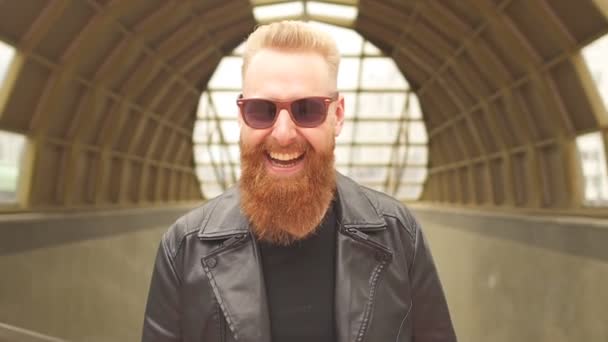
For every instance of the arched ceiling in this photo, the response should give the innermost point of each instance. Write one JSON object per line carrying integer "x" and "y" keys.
{"x": 504, "y": 92}
{"x": 106, "y": 92}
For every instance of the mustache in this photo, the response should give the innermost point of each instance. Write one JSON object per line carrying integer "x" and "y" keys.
{"x": 272, "y": 145}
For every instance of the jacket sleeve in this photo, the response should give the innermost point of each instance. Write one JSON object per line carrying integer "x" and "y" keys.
{"x": 431, "y": 317}
{"x": 162, "y": 316}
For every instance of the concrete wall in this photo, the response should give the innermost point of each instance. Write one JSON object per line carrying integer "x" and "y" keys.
{"x": 521, "y": 279}
{"x": 81, "y": 277}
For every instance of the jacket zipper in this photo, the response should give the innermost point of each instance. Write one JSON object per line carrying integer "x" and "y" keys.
{"x": 232, "y": 242}
{"x": 364, "y": 238}
{"x": 222, "y": 325}
{"x": 361, "y": 236}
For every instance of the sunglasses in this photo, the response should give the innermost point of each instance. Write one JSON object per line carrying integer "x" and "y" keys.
{"x": 305, "y": 112}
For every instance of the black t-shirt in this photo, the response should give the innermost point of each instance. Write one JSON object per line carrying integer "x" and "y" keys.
{"x": 299, "y": 281}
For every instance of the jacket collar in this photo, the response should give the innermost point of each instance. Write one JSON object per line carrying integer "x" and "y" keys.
{"x": 355, "y": 210}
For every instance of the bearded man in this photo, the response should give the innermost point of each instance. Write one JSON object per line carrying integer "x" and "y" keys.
{"x": 296, "y": 251}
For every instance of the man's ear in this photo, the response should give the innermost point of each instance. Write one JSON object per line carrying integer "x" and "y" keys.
{"x": 339, "y": 112}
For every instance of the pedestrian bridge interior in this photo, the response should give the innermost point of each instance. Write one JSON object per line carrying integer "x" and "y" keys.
{"x": 488, "y": 118}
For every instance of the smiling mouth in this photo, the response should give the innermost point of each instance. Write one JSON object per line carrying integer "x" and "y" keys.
{"x": 285, "y": 159}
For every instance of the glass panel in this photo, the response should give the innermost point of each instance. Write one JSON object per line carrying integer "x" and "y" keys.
{"x": 369, "y": 174}
{"x": 11, "y": 151}
{"x": 381, "y": 73}
{"x": 343, "y": 170}
{"x": 596, "y": 55}
{"x": 265, "y": 13}
{"x": 342, "y": 155}
{"x": 231, "y": 131}
{"x": 375, "y": 186}
{"x": 371, "y": 49}
{"x": 7, "y": 53}
{"x": 417, "y": 133}
{"x": 371, "y": 154}
{"x": 349, "y": 42}
{"x": 209, "y": 154}
{"x": 211, "y": 190}
{"x": 383, "y": 132}
{"x": 199, "y": 151}
{"x": 227, "y": 74}
{"x": 409, "y": 192}
{"x": 235, "y": 153}
{"x": 413, "y": 175}
{"x": 350, "y": 100}
{"x": 593, "y": 164}
{"x": 401, "y": 154}
{"x": 381, "y": 105}
{"x": 206, "y": 173}
{"x": 325, "y": 9}
{"x": 203, "y": 106}
{"x": 227, "y": 174}
{"x": 417, "y": 155}
{"x": 346, "y": 135}
{"x": 348, "y": 76}
{"x": 214, "y": 136}
{"x": 413, "y": 110}
{"x": 225, "y": 103}
{"x": 202, "y": 129}
{"x": 239, "y": 50}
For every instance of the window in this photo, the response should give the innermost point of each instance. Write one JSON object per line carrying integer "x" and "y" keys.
{"x": 383, "y": 144}
{"x": 274, "y": 12}
{"x": 325, "y": 9}
{"x": 595, "y": 55}
{"x": 305, "y": 10}
{"x": 593, "y": 164}
{"x": 7, "y": 53}
{"x": 11, "y": 151}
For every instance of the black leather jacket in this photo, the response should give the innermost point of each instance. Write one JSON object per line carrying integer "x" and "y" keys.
{"x": 207, "y": 284}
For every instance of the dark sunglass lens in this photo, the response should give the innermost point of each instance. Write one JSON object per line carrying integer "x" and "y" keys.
{"x": 308, "y": 112}
{"x": 259, "y": 113}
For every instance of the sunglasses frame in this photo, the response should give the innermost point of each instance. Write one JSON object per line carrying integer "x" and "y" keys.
{"x": 280, "y": 105}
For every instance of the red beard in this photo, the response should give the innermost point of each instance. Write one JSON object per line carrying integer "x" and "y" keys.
{"x": 282, "y": 210}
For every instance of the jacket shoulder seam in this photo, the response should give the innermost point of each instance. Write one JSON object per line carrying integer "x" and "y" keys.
{"x": 183, "y": 240}
{"x": 410, "y": 232}
{"x": 171, "y": 260}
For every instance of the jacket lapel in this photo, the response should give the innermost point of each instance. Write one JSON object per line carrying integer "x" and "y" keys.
{"x": 233, "y": 268}
{"x": 360, "y": 261}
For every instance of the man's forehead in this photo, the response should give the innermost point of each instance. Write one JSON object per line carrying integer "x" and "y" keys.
{"x": 273, "y": 74}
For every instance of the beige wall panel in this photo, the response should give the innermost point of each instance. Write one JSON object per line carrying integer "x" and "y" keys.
{"x": 81, "y": 283}
{"x": 520, "y": 282}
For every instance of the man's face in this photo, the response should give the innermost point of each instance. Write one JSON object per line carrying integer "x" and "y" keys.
{"x": 284, "y": 76}
{"x": 288, "y": 178}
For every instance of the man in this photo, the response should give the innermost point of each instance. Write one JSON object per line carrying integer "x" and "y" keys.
{"x": 295, "y": 252}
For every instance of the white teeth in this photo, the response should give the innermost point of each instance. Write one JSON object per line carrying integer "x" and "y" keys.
{"x": 285, "y": 156}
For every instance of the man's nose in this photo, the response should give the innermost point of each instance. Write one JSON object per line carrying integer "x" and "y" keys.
{"x": 284, "y": 129}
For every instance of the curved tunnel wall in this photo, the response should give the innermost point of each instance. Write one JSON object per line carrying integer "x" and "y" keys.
{"x": 107, "y": 91}
{"x": 504, "y": 92}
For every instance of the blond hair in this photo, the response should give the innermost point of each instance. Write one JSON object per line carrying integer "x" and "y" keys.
{"x": 291, "y": 35}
